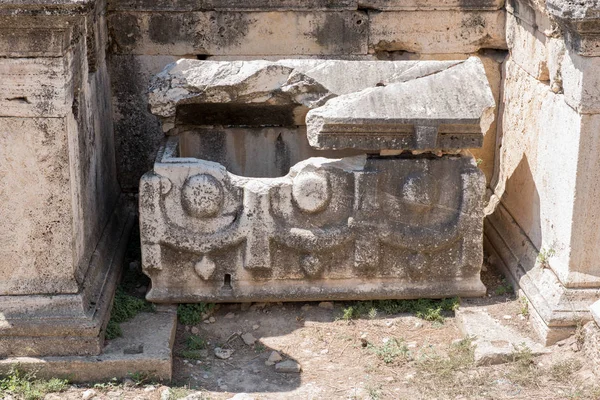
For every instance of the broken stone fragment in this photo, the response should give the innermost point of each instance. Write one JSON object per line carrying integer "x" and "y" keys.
{"x": 448, "y": 109}
{"x": 289, "y": 366}
{"x": 248, "y": 338}
{"x": 223, "y": 354}
{"x": 274, "y": 358}
{"x": 234, "y": 93}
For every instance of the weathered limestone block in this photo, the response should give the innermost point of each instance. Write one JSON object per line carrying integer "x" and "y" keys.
{"x": 232, "y": 5}
{"x": 62, "y": 222}
{"x": 448, "y": 107}
{"x": 426, "y": 104}
{"x": 527, "y": 33}
{"x": 239, "y": 33}
{"x": 349, "y": 228}
{"x": 548, "y": 186}
{"x": 437, "y": 31}
{"x": 345, "y": 227}
{"x": 580, "y": 21}
{"x": 138, "y": 135}
{"x": 395, "y": 5}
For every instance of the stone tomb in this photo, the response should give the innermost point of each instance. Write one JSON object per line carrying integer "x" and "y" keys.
{"x": 313, "y": 179}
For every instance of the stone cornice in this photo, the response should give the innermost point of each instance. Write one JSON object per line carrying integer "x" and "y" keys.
{"x": 580, "y": 21}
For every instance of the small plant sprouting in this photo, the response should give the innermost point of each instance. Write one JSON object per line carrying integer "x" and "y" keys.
{"x": 544, "y": 256}
{"x": 125, "y": 307}
{"x": 390, "y": 351}
{"x": 504, "y": 288}
{"x": 427, "y": 309}
{"x": 524, "y": 303}
{"x": 191, "y": 314}
{"x": 194, "y": 342}
{"x": 479, "y": 161}
{"x": 139, "y": 378}
{"x": 25, "y": 385}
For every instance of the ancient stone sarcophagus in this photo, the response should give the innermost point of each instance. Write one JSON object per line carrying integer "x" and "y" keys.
{"x": 313, "y": 179}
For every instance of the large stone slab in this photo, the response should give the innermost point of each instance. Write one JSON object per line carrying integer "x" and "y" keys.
{"x": 351, "y": 228}
{"x": 232, "y": 5}
{"x": 63, "y": 223}
{"x": 541, "y": 232}
{"x": 396, "y": 5}
{"x": 580, "y": 21}
{"x": 448, "y": 107}
{"x": 239, "y": 33}
{"x": 437, "y": 32}
{"x": 494, "y": 343}
{"x": 369, "y": 105}
{"x": 145, "y": 348}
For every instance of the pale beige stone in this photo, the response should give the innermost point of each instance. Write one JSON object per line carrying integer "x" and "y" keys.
{"x": 240, "y": 33}
{"x": 437, "y": 31}
{"x": 447, "y": 107}
{"x": 36, "y": 225}
{"x": 528, "y": 47}
{"x": 150, "y": 334}
{"x": 395, "y": 5}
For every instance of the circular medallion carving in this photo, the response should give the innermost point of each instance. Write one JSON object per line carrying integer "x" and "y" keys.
{"x": 202, "y": 196}
{"x": 311, "y": 192}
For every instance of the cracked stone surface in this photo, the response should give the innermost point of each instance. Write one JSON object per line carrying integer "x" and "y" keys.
{"x": 367, "y": 105}
{"x": 343, "y": 226}
{"x": 444, "y": 108}
{"x": 347, "y": 228}
{"x": 494, "y": 342}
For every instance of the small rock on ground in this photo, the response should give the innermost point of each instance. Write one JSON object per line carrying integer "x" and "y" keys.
{"x": 248, "y": 338}
{"x": 328, "y": 305}
{"x": 288, "y": 366}
{"x": 242, "y": 396}
{"x": 274, "y": 358}
{"x": 195, "y": 330}
{"x": 88, "y": 394}
{"x": 223, "y": 354}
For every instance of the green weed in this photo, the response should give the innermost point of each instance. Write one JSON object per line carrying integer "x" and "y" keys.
{"x": 194, "y": 342}
{"x": 26, "y": 386}
{"x": 390, "y": 351}
{"x": 544, "y": 256}
{"x": 427, "y": 309}
{"x": 504, "y": 288}
{"x": 125, "y": 307}
{"x": 191, "y": 314}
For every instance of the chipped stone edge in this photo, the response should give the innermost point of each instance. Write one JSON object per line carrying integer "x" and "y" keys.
{"x": 78, "y": 369}
{"x": 553, "y": 321}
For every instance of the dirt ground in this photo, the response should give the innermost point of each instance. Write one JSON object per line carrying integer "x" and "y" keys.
{"x": 376, "y": 356}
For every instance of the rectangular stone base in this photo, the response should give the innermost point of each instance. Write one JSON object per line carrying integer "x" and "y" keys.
{"x": 71, "y": 324}
{"x": 145, "y": 348}
{"x": 555, "y": 310}
{"x": 348, "y": 289}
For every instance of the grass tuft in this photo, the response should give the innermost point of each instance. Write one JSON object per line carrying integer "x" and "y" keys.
{"x": 427, "y": 309}
{"x": 191, "y": 314}
{"x": 391, "y": 351}
{"x": 125, "y": 307}
{"x": 25, "y": 385}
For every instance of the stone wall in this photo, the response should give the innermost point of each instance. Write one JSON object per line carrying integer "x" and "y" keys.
{"x": 146, "y": 35}
{"x": 58, "y": 183}
{"x": 543, "y": 229}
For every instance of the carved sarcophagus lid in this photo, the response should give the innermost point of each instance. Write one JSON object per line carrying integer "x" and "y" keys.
{"x": 370, "y": 105}
{"x": 240, "y": 206}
